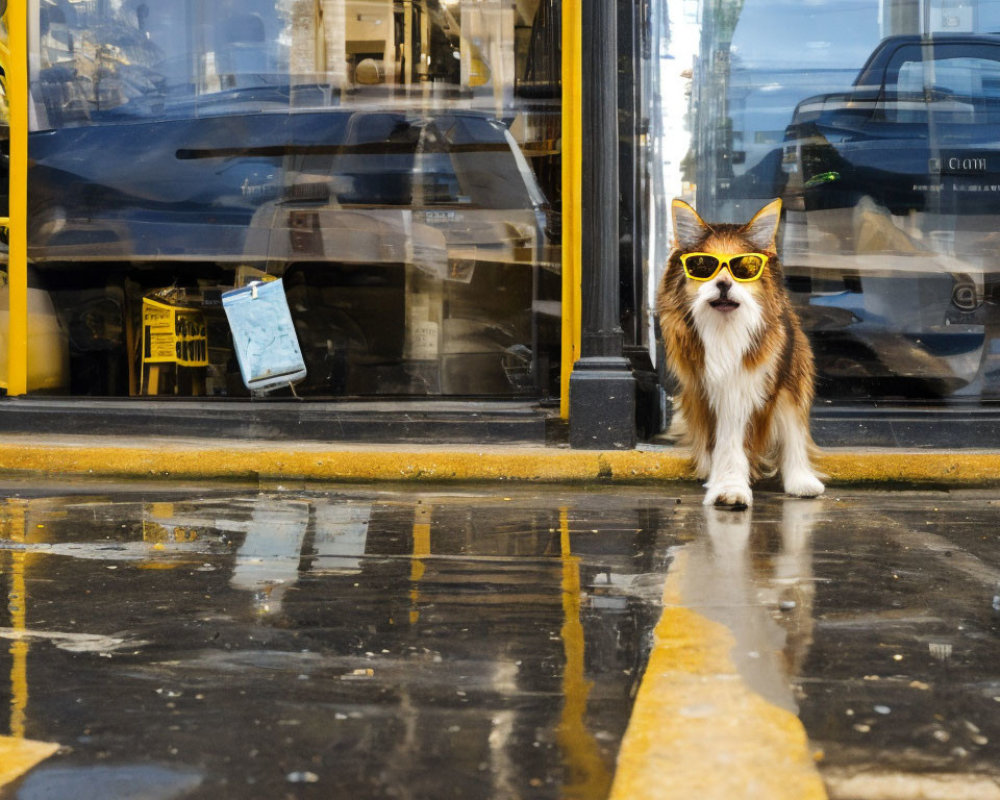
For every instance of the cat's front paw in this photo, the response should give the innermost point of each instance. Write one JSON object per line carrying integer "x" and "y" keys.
{"x": 732, "y": 494}
{"x": 803, "y": 484}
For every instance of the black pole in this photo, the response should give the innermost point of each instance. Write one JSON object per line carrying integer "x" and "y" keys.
{"x": 601, "y": 388}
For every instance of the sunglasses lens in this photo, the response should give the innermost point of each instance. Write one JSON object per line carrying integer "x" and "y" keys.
{"x": 745, "y": 268}
{"x": 701, "y": 267}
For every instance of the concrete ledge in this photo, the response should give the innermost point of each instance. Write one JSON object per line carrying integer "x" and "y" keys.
{"x": 911, "y": 466}
{"x": 322, "y": 461}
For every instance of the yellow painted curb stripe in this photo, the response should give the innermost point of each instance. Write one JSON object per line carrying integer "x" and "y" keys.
{"x": 312, "y": 461}
{"x": 17, "y": 756}
{"x": 492, "y": 463}
{"x": 917, "y": 466}
{"x": 697, "y": 731}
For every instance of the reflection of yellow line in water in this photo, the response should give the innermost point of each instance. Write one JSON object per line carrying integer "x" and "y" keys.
{"x": 18, "y": 649}
{"x": 587, "y": 776}
{"x": 421, "y": 549}
{"x": 697, "y": 731}
{"x": 17, "y": 754}
{"x": 17, "y": 606}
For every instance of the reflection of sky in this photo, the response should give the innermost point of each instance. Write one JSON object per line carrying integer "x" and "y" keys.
{"x": 817, "y": 35}
{"x": 988, "y": 18}
{"x": 675, "y": 136}
{"x": 766, "y": 81}
{"x": 832, "y": 41}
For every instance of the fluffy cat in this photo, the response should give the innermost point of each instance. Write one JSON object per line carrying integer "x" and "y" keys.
{"x": 737, "y": 349}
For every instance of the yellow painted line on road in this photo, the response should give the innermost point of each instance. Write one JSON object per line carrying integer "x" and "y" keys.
{"x": 17, "y": 756}
{"x": 240, "y": 459}
{"x": 698, "y": 732}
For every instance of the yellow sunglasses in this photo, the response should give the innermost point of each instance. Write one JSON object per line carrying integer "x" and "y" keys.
{"x": 744, "y": 267}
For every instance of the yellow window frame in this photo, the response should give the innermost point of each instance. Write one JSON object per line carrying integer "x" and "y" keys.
{"x": 14, "y": 57}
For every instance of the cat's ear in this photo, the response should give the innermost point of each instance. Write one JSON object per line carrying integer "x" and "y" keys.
{"x": 689, "y": 229}
{"x": 762, "y": 230}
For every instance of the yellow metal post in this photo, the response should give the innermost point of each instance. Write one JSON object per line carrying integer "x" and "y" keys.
{"x": 16, "y": 71}
{"x": 572, "y": 172}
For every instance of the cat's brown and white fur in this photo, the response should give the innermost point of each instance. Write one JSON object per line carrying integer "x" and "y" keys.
{"x": 743, "y": 364}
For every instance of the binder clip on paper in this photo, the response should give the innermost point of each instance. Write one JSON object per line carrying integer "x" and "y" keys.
{"x": 264, "y": 339}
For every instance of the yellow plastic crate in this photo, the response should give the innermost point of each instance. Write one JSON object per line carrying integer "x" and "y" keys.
{"x": 173, "y": 335}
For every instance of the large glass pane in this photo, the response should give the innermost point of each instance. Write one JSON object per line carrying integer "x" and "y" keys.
{"x": 395, "y": 162}
{"x": 876, "y": 121}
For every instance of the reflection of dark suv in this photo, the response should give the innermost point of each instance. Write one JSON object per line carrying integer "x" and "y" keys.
{"x": 918, "y": 132}
{"x": 188, "y": 184}
{"x": 893, "y": 194}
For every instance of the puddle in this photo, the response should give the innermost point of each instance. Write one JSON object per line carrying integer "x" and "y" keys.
{"x": 336, "y": 644}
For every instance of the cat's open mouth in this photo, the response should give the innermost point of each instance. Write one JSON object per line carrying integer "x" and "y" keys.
{"x": 724, "y": 305}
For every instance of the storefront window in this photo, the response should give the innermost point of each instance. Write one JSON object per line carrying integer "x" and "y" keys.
{"x": 876, "y": 122}
{"x": 394, "y": 162}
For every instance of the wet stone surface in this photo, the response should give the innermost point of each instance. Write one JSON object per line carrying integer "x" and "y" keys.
{"x": 902, "y": 676}
{"x": 875, "y": 616}
{"x": 422, "y": 642}
{"x": 344, "y": 643}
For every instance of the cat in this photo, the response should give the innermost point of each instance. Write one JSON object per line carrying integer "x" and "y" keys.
{"x": 737, "y": 349}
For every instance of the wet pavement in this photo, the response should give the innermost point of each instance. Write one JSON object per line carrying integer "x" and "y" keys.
{"x": 480, "y": 641}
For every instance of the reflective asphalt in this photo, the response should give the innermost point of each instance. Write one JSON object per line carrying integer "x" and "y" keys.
{"x": 169, "y": 640}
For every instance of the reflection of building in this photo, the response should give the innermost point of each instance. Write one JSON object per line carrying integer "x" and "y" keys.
{"x": 884, "y": 252}
{"x": 274, "y": 79}
{"x": 407, "y": 167}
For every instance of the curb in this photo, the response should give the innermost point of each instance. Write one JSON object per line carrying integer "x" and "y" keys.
{"x": 243, "y": 460}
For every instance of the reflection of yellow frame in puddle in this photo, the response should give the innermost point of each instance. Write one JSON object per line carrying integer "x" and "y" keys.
{"x": 17, "y": 754}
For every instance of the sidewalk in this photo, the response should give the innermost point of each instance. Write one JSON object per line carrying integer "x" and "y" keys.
{"x": 494, "y": 640}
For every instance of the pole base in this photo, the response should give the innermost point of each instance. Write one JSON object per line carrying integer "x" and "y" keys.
{"x": 602, "y": 405}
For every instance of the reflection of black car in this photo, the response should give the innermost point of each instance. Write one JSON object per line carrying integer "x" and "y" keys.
{"x": 764, "y": 84}
{"x": 187, "y": 183}
{"x": 387, "y": 224}
{"x": 893, "y": 191}
{"x": 918, "y": 132}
